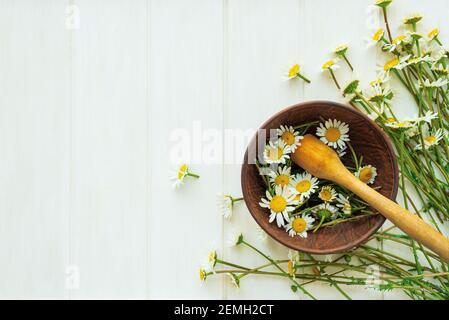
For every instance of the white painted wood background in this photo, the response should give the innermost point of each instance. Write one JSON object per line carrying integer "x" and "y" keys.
{"x": 90, "y": 92}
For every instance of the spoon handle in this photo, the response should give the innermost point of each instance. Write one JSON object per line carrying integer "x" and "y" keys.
{"x": 408, "y": 222}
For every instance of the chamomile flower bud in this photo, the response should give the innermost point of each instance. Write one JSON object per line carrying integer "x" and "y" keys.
{"x": 367, "y": 174}
{"x": 180, "y": 174}
{"x": 352, "y": 87}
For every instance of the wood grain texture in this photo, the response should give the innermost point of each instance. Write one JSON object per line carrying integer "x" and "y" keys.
{"x": 86, "y": 116}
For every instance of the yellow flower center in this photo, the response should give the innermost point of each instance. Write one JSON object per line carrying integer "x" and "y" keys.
{"x": 332, "y": 134}
{"x": 399, "y": 39}
{"x": 365, "y": 175}
{"x": 299, "y": 225}
{"x": 378, "y": 35}
{"x": 293, "y": 71}
{"x": 328, "y": 64}
{"x": 290, "y": 268}
{"x": 303, "y": 186}
{"x": 391, "y": 64}
{"x": 391, "y": 120}
{"x": 434, "y": 33}
{"x": 430, "y": 139}
{"x": 275, "y": 153}
{"x": 278, "y": 204}
{"x": 326, "y": 195}
{"x": 182, "y": 171}
{"x": 282, "y": 180}
{"x": 289, "y": 138}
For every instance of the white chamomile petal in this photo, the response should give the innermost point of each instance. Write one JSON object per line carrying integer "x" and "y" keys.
{"x": 334, "y": 133}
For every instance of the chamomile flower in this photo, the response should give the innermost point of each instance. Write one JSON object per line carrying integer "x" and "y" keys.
{"x": 212, "y": 258}
{"x": 276, "y": 152}
{"x": 383, "y": 3}
{"x": 261, "y": 235}
{"x": 380, "y": 94}
{"x": 396, "y": 64}
{"x": 295, "y": 72}
{"x": 418, "y": 60}
{"x": 334, "y": 133}
{"x": 235, "y": 280}
{"x": 280, "y": 205}
{"x": 427, "y": 117}
{"x": 327, "y": 194}
{"x": 431, "y": 139}
{"x": 281, "y": 177}
{"x": 226, "y": 204}
{"x": 367, "y": 174}
{"x": 341, "y": 151}
{"x": 234, "y": 238}
{"x": 341, "y": 49}
{"x": 305, "y": 185}
{"x": 441, "y": 70}
{"x": 351, "y": 88}
{"x": 203, "y": 274}
{"x": 330, "y": 65}
{"x": 290, "y": 137}
{"x": 413, "y": 19}
{"x": 344, "y": 204}
{"x": 180, "y": 174}
{"x": 435, "y": 84}
{"x": 395, "y": 124}
{"x": 298, "y": 226}
{"x": 325, "y": 211}
{"x": 377, "y": 37}
{"x": 433, "y": 34}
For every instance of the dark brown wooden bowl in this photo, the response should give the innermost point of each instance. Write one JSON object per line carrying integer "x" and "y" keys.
{"x": 367, "y": 139}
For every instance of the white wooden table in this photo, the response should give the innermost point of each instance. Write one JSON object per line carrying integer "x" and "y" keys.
{"x": 90, "y": 92}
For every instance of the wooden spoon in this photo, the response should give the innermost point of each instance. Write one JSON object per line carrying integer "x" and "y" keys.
{"x": 323, "y": 162}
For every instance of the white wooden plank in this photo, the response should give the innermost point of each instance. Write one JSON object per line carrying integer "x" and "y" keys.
{"x": 186, "y": 91}
{"x": 263, "y": 38}
{"x": 34, "y": 86}
{"x": 110, "y": 159}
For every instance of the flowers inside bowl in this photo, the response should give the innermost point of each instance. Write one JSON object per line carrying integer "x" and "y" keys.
{"x": 300, "y": 203}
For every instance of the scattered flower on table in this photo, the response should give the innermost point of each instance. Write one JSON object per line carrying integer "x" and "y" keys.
{"x": 334, "y": 133}
{"x": 431, "y": 139}
{"x": 383, "y": 3}
{"x": 180, "y": 174}
{"x": 290, "y": 137}
{"x": 305, "y": 185}
{"x": 330, "y": 65}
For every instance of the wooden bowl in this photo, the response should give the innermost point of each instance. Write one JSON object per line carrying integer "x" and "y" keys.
{"x": 366, "y": 138}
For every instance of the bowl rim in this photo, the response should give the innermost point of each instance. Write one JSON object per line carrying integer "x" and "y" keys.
{"x": 386, "y": 140}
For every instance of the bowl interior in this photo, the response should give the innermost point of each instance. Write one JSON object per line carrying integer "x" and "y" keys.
{"x": 366, "y": 138}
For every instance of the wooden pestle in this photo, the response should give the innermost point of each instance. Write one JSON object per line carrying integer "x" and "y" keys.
{"x": 323, "y": 162}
